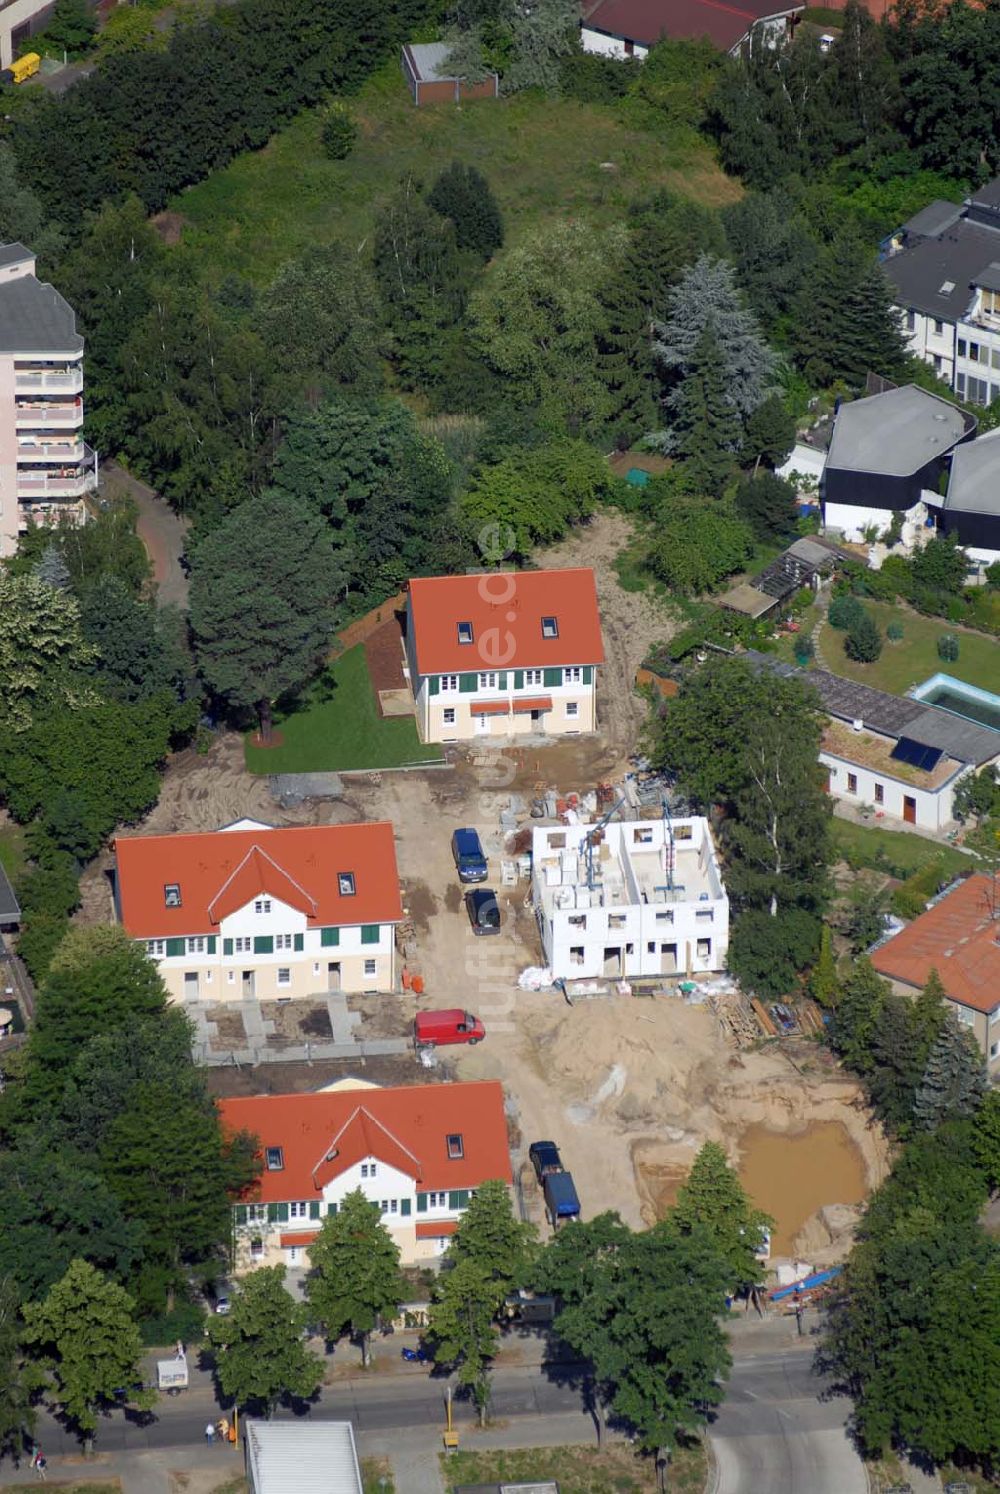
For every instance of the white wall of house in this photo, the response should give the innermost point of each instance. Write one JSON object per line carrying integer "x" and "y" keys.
{"x": 447, "y": 713}
{"x": 209, "y": 970}
{"x": 630, "y": 922}
{"x": 856, "y": 784}
{"x": 606, "y": 45}
{"x": 933, "y": 340}
{"x": 258, "y": 1240}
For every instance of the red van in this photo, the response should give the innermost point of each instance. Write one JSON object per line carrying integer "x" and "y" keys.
{"x": 449, "y": 1026}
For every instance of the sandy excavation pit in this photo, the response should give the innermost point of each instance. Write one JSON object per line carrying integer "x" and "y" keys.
{"x": 630, "y": 1090}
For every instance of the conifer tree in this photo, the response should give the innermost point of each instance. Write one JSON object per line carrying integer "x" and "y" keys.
{"x": 705, "y": 427}
{"x": 844, "y": 324}
{"x": 823, "y": 984}
{"x": 954, "y": 1081}
{"x": 463, "y": 194}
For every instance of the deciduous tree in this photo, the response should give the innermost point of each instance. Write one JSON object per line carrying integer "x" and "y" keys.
{"x": 533, "y": 496}
{"x": 767, "y": 503}
{"x": 355, "y": 1280}
{"x": 84, "y": 1337}
{"x": 462, "y": 1326}
{"x": 490, "y": 1236}
{"x": 318, "y": 317}
{"x": 712, "y": 1197}
{"x": 17, "y": 1414}
{"x": 41, "y": 648}
{"x": 260, "y": 1356}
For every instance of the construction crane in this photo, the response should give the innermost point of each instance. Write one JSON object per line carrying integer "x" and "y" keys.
{"x": 594, "y": 839}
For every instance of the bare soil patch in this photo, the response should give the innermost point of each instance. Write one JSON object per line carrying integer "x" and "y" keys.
{"x": 630, "y": 622}
{"x": 381, "y": 1016}
{"x": 303, "y": 1078}
{"x": 170, "y": 226}
{"x": 229, "y": 1030}
{"x": 297, "y": 1021}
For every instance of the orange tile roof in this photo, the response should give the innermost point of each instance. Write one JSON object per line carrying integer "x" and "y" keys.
{"x": 405, "y": 1127}
{"x": 427, "y": 1231}
{"x": 505, "y": 610}
{"x": 223, "y": 870}
{"x": 958, "y": 938}
{"x": 534, "y": 703}
{"x": 301, "y": 1237}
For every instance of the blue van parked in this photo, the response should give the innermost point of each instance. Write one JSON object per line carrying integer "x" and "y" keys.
{"x": 467, "y": 849}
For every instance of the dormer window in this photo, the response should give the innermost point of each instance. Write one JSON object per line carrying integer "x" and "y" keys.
{"x": 465, "y": 633}
{"x": 172, "y": 895}
{"x": 345, "y": 882}
{"x": 550, "y": 627}
{"x": 456, "y": 1147}
{"x": 275, "y": 1159}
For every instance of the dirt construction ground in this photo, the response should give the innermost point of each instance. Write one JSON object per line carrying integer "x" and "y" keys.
{"x": 629, "y": 1088}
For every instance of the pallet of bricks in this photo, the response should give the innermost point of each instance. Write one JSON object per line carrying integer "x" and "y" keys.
{"x": 735, "y": 1016}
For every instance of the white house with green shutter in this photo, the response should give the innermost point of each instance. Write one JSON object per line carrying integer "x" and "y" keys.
{"x": 417, "y": 1152}
{"x": 503, "y": 654}
{"x": 255, "y": 911}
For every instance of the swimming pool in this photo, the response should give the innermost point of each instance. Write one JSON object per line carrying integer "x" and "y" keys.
{"x": 960, "y": 699}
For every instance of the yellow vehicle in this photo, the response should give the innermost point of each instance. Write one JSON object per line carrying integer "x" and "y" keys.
{"x": 22, "y": 68}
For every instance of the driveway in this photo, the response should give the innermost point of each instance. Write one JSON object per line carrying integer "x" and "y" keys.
{"x": 778, "y": 1432}
{"x": 160, "y": 530}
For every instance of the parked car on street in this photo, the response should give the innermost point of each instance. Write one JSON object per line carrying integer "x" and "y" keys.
{"x": 449, "y": 1025}
{"x": 544, "y": 1157}
{"x": 483, "y": 910}
{"x": 467, "y": 849}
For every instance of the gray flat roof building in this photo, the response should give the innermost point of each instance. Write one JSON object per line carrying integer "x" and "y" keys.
{"x": 896, "y": 433}
{"x": 301, "y": 1457}
{"x": 34, "y": 318}
{"x": 974, "y": 484}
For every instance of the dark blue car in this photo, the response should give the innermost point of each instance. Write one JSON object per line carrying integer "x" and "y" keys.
{"x": 467, "y": 849}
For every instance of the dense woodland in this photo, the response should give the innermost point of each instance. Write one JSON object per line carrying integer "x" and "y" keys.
{"x": 367, "y": 416}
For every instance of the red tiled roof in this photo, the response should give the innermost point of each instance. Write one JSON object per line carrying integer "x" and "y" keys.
{"x": 223, "y": 870}
{"x": 646, "y": 21}
{"x": 958, "y": 938}
{"x": 435, "y": 1231}
{"x": 404, "y": 1127}
{"x": 304, "y": 1237}
{"x": 539, "y": 703}
{"x": 505, "y": 610}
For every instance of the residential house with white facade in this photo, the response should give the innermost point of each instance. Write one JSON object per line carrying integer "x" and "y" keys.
{"x": 418, "y": 1152}
{"x": 251, "y": 911}
{"x": 46, "y": 467}
{"x": 629, "y": 28}
{"x": 959, "y": 937}
{"x": 896, "y": 756}
{"x": 944, "y": 266}
{"x": 633, "y": 898}
{"x": 887, "y": 456}
{"x": 504, "y": 653}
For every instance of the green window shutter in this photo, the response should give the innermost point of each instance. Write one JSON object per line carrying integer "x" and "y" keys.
{"x": 297, "y": 941}
{"x": 503, "y": 679}
{"x": 421, "y": 1203}
{"x": 272, "y": 1213}
{"x": 328, "y": 937}
{"x": 453, "y": 1200}
{"x": 314, "y": 1208}
{"x": 175, "y": 946}
{"x": 404, "y": 1207}
{"x": 463, "y": 1198}
{"x": 240, "y": 1213}
{"x": 588, "y": 673}
{"x": 263, "y": 944}
{"x": 370, "y": 933}
{"x": 282, "y": 1213}
{"x": 518, "y": 679}
{"x": 467, "y": 683}
{"x": 227, "y": 946}
{"x": 434, "y": 683}
{"x": 331, "y": 1208}
{"x": 553, "y": 677}
{"x": 210, "y": 945}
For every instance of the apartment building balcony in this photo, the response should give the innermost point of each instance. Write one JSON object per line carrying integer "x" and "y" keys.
{"x": 50, "y": 449}
{"x": 48, "y": 414}
{"x": 71, "y": 480}
{"x": 67, "y": 380}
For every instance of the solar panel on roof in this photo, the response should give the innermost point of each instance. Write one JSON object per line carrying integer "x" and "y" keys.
{"x": 916, "y": 754}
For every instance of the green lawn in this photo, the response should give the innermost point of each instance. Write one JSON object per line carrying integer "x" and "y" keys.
{"x": 545, "y": 158}
{"x": 338, "y": 728}
{"x": 915, "y": 657}
{"x": 12, "y": 852}
{"x": 903, "y": 853}
{"x": 579, "y": 1470}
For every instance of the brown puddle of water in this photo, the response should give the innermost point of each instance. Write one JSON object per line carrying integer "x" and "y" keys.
{"x": 791, "y": 1176}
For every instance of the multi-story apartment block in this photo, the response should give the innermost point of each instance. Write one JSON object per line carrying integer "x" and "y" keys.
{"x": 418, "y": 1151}
{"x": 638, "y": 898}
{"x": 944, "y": 264}
{"x": 504, "y": 654}
{"x": 46, "y": 468}
{"x": 253, "y": 911}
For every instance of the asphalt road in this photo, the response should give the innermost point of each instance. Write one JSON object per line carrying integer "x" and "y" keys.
{"x": 776, "y": 1434}
{"x": 779, "y": 1432}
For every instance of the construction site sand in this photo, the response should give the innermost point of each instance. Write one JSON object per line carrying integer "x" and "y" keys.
{"x": 631, "y": 1089}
